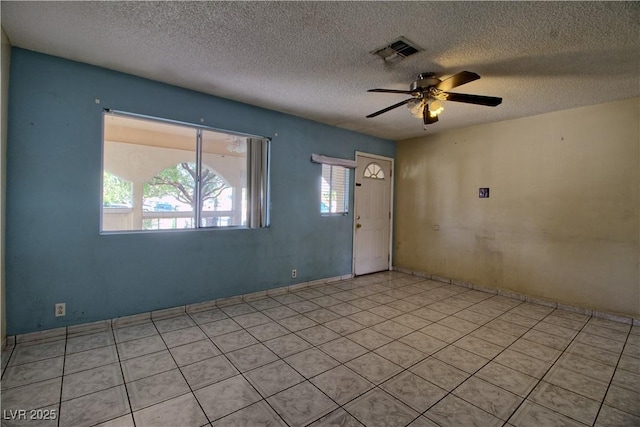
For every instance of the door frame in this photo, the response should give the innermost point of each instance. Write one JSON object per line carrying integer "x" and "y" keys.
{"x": 391, "y": 204}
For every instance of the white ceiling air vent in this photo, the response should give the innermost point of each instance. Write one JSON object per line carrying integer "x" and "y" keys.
{"x": 397, "y": 50}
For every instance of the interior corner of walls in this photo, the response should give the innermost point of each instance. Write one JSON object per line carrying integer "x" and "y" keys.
{"x": 5, "y": 37}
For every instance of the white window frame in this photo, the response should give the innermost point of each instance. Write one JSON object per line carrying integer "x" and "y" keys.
{"x": 335, "y": 162}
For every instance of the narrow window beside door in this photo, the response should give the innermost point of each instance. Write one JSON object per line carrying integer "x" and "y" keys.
{"x": 334, "y": 190}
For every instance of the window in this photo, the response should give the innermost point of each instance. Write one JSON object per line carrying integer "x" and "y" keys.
{"x": 334, "y": 190}
{"x": 159, "y": 175}
{"x": 373, "y": 171}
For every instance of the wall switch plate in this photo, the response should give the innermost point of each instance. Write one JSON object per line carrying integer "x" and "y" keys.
{"x": 60, "y": 309}
{"x": 483, "y": 193}
{"x": 436, "y": 227}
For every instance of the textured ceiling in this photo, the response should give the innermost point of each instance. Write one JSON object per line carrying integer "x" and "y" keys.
{"x": 312, "y": 59}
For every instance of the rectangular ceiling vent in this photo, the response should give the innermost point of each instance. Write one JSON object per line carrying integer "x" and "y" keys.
{"x": 397, "y": 50}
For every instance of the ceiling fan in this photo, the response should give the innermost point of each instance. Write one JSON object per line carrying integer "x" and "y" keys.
{"x": 428, "y": 92}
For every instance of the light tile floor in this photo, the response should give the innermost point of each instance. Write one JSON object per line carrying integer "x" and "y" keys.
{"x": 388, "y": 349}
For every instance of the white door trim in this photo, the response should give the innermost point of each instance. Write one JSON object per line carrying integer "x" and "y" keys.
{"x": 391, "y": 199}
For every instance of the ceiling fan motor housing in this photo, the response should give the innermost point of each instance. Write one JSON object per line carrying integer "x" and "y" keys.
{"x": 425, "y": 80}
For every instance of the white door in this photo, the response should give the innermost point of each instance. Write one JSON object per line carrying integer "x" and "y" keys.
{"x": 372, "y": 234}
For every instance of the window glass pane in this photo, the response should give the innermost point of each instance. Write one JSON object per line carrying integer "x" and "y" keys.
{"x": 223, "y": 181}
{"x": 157, "y": 162}
{"x": 374, "y": 171}
{"x": 325, "y": 190}
{"x": 169, "y": 198}
{"x": 334, "y": 190}
{"x": 118, "y": 192}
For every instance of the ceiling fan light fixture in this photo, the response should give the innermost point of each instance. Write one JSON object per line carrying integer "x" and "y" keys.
{"x": 416, "y": 107}
{"x": 435, "y": 108}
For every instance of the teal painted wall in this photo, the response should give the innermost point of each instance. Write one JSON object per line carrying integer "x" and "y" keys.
{"x": 54, "y": 252}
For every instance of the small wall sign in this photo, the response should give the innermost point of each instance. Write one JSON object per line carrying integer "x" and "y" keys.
{"x": 483, "y": 193}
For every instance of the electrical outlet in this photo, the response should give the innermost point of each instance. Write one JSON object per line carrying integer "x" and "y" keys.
{"x": 294, "y": 273}
{"x": 61, "y": 309}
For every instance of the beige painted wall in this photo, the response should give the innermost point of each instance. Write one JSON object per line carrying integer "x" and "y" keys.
{"x": 563, "y": 218}
{"x": 4, "y": 78}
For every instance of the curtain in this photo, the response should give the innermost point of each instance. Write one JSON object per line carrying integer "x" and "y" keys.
{"x": 257, "y": 182}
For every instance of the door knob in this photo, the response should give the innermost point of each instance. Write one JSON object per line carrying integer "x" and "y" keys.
{"x": 358, "y": 225}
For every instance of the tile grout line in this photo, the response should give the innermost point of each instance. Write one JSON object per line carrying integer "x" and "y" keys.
{"x": 313, "y": 346}
{"x": 343, "y": 364}
{"x": 61, "y": 376}
{"x": 64, "y": 361}
{"x": 282, "y": 359}
{"x": 565, "y": 351}
{"x": 489, "y": 360}
{"x": 179, "y": 370}
{"x": 552, "y": 365}
{"x": 222, "y": 353}
{"x": 124, "y": 382}
{"x": 378, "y": 386}
{"x": 493, "y": 359}
{"x": 279, "y": 357}
{"x": 421, "y": 414}
{"x": 121, "y": 361}
{"x": 452, "y": 344}
{"x": 313, "y": 385}
{"x": 4, "y": 369}
{"x": 612, "y": 376}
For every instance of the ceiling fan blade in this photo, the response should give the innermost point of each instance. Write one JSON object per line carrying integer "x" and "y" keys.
{"x": 489, "y": 101}
{"x": 377, "y": 113}
{"x": 407, "y": 92}
{"x": 426, "y": 117}
{"x": 456, "y": 80}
